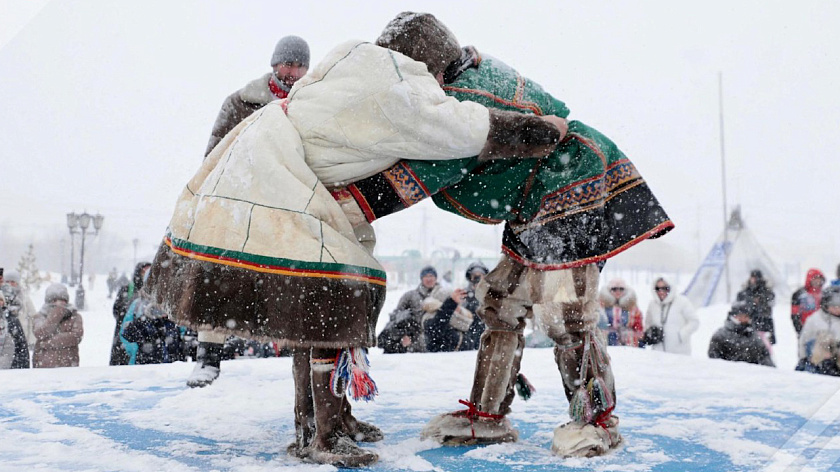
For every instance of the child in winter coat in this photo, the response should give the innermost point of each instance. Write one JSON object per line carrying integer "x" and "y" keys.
{"x": 819, "y": 341}
{"x": 621, "y": 319}
{"x": 58, "y": 330}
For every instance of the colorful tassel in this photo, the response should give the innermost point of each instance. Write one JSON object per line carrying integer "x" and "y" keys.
{"x": 601, "y": 394}
{"x": 352, "y": 371}
{"x": 340, "y": 374}
{"x": 580, "y": 407}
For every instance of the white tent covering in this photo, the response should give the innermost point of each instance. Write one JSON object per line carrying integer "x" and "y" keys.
{"x": 739, "y": 246}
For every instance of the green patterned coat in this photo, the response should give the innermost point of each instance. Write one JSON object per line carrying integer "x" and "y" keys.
{"x": 583, "y": 203}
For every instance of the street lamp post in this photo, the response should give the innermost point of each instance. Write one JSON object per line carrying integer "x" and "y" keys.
{"x": 72, "y": 224}
{"x": 63, "y": 273}
{"x": 83, "y": 221}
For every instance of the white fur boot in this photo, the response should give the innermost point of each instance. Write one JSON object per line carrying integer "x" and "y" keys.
{"x": 575, "y": 439}
{"x": 457, "y": 429}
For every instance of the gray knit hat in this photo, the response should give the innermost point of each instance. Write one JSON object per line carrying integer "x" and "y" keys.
{"x": 291, "y": 49}
{"x": 56, "y": 292}
{"x": 428, "y": 270}
{"x": 423, "y": 38}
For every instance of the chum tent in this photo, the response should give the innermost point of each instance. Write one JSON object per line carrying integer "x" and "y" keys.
{"x": 740, "y": 248}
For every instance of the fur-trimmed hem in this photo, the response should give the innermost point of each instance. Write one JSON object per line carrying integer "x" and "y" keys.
{"x": 281, "y": 343}
{"x": 294, "y": 311}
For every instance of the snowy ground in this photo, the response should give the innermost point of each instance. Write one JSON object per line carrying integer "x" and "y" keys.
{"x": 677, "y": 413}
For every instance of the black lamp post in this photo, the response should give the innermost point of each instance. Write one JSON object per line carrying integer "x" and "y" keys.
{"x": 72, "y": 224}
{"x": 83, "y": 221}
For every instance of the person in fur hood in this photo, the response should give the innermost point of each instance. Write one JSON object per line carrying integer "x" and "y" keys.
{"x": 621, "y": 319}
{"x": 296, "y": 266}
{"x": 673, "y": 316}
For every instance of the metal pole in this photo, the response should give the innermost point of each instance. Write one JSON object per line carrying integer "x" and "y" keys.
{"x": 80, "y": 290}
{"x": 723, "y": 181}
{"x": 72, "y": 258}
{"x": 63, "y": 242}
{"x": 82, "y": 260}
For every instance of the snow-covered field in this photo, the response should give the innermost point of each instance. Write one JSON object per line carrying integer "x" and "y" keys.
{"x": 677, "y": 413}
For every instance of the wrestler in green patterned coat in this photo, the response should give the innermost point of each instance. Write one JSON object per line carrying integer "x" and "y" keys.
{"x": 564, "y": 210}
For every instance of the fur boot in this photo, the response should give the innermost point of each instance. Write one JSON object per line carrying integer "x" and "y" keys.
{"x": 576, "y": 439}
{"x": 357, "y": 430}
{"x": 331, "y": 445}
{"x": 588, "y": 382}
{"x": 484, "y": 421}
{"x": 304, "y": 408}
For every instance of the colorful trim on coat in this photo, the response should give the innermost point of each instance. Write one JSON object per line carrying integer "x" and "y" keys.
{"x": 595, "y": 191}
{"x": 406, "y": 184}
{"x": 274, "y": 265}
{"x": 389, "y": 191}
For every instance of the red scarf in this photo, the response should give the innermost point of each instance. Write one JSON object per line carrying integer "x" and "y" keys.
{"x": 276, "y": 90}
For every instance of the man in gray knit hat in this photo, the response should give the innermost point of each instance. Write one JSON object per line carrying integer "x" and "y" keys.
{"x": 289, "y": 62}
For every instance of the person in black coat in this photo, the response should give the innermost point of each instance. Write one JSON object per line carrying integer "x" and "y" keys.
{"x": 455, "y": 326}
{"x": 125, "y": 296}
{"x": 158, "y": 338}
{"x": 760, "y": 298}
{"x": 20, "y": 358}
{"x": 737, "y": 340}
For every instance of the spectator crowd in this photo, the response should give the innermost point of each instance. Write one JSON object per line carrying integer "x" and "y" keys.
{"x": 432, "y": 317}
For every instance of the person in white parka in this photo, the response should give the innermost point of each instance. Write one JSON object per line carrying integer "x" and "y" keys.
{"x": 674, "y": 316}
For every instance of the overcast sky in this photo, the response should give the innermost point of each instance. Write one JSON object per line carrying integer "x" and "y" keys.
{"x": 107, "y": 106}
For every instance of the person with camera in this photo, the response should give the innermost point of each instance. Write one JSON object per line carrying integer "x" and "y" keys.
{"x": 454, "y": 326}
{"x": 819, "y": 340}
{"x": 58, "y": 330}
{"x": 670, "y": 320}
